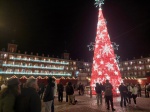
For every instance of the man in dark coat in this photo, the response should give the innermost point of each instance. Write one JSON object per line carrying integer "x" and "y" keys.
{"x": 123, "y": 92}
{"x": 29, "y": 100}
{"x": 60, "y": 90}
{"x": 70, "y": 92}
{"x": 49, "y": 95}
{"x": 109, "y": 95}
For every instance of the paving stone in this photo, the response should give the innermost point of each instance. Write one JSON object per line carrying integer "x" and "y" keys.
{"x": 87, "y": 104}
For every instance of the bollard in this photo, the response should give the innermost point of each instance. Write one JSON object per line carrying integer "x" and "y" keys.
{"x": 90, "y": 92}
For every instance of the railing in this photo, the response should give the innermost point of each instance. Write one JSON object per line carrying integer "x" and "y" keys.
{"x": 25, "y": 73}
{"x": 64, "y": 63}
{"x": 9, "y": 65}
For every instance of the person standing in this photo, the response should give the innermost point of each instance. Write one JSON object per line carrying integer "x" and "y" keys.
{"x": 98, "y": 90}
{"x": 139, "y": 90}
{"x": 123, "y": 92}
{"x": 49, "y": 95}
{"x": 109, "y": 95}
{"x": 66, "y": 92}
{"x": 79, "y": 88}
{"x": 146, "y": 90}
{"x": 55, "y": 91}
{"x": 41, "y": 90}
{"x": 29, "y": 99}
{"x": 60, "y": 92}
{"x": 70, "y": 92}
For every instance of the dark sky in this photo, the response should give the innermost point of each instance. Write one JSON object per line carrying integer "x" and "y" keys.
{"x": 52, "y": 26}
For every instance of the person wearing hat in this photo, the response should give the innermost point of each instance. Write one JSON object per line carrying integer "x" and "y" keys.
{"x": 9, "y": 94}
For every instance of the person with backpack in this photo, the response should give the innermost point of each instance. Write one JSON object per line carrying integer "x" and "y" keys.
{"x": 70, "y": 92}
{"x": 109, "y": 95}
{"x": 98, "y": 90}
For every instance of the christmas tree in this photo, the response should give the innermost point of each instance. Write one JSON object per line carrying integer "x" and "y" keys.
{"x": 105, "y": 66}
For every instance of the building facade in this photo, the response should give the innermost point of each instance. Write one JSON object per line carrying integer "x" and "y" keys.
{"x": 13, "y": 63}
{"x": 20, "y": 65}
{"x": 136, "y": 70}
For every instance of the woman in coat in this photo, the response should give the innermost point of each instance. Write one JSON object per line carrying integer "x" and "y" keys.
{"x": 8, "y": 95}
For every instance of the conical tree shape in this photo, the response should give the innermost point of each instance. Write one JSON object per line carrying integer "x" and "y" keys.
{"x": 105, "y": 66}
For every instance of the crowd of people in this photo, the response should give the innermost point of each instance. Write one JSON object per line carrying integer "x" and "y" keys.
{"x": 127, "y": 93}
{"x": 28, "y": 97}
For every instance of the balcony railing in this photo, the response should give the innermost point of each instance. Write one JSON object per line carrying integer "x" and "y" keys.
{"x": 22, "y": 59}
{"x": 26, "y": 73}
{"x": 39, "y": 67}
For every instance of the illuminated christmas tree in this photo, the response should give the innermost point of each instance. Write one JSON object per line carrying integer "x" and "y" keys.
{"x": 105, "y": 66}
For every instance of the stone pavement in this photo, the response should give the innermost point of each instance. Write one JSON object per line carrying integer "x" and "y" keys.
{"x": 87, "y": 104}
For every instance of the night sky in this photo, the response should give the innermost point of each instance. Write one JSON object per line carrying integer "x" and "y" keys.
{"x": 52, "y": 26}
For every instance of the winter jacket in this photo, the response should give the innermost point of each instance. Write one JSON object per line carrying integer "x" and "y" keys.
{"x": 7, "y": 103}
{"x": 28, "y": 101}
{"x": 134, "y": 90}
{"x": 108, "y": 89}
{"x": 49, "y": 92}
{"x": 98, "y": 89}
{"x": 60, "y": 88}
{"x": 123, "y": 89}
{"x": 69, "y": 90}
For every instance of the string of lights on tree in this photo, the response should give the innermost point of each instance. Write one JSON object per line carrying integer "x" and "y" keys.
{"x": 91, "y": 47}
{"x": 105, "y": 66}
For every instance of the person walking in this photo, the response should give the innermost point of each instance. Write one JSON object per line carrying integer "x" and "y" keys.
{"x": 123, "y": 92}
{"x": 60, "y": 92}
{"x": 134, "y": 93}
{"x": 109, "y": 95}
{"x": 29, "y": 99}
{"x": 98, "y": 90}
{"x": 49, "y": 95}
{"x": 9, "y": 94}
{"x": 129, "y": 87}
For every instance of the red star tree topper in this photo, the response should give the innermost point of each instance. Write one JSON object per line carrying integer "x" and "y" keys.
{"x": 105, "y": 66}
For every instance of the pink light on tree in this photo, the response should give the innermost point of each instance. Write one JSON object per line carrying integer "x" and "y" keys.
{"x": 105, "y": 66}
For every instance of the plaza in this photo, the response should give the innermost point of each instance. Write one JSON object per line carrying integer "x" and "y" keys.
{"x": 87, "y": 104}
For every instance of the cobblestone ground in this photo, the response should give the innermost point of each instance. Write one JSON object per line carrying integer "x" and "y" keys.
{"x": 87, "y": 104}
